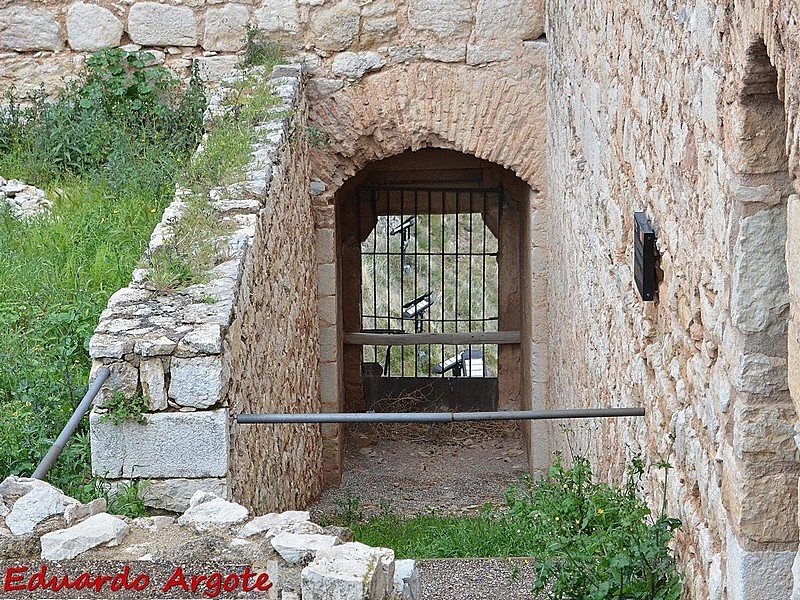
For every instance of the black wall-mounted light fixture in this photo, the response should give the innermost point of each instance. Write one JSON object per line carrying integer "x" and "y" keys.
{"x": 644, "y": 257}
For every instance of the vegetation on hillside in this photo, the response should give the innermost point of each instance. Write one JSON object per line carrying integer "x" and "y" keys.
{"x": 454, "y": 256}
{"x": 108, "y": 151}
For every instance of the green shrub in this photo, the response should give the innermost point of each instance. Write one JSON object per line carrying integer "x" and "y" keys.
{"x": 588, "y": 540}
{"x": 594, "y": 541}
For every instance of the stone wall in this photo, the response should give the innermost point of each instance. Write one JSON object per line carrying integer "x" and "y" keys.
{"x": 676, "y": 109}
{"x": 245, "y": 341}
{"x": 44, "y": 41}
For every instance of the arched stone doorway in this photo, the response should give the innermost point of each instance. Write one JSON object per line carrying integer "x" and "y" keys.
{"x": 421, "y": 185}
{"x": 479, "y": 114}
{"x": 521, "y": 258}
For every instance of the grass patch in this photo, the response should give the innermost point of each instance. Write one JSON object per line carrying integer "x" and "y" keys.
{"x": 194, "y": 245}
{"x": 108, "y": 151}
{"x": 589, "y": 541}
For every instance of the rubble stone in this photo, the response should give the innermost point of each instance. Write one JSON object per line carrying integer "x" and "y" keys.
{"x": 97, "y": 529}
{"x": 34, "y": 507}
{"x": 207, "y": 512}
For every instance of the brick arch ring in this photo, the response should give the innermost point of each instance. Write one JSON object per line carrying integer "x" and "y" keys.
{"x": 467, "y": 109}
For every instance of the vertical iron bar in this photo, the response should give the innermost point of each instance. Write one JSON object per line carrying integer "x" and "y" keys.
{"x": 457, "y": 248}
{"x": 416, "y": 289}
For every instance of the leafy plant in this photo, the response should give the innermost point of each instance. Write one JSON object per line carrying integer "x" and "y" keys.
{"x": 125, "y": 498}
{"x": 588, "y": 540}
{"x": 122, "y": 408}
{"x": 348, "y": 512}
{"x": 594, "y": 541}
{"x": 259, "y": 49}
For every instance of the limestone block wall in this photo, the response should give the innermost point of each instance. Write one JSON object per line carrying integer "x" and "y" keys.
{"x": 244, "y": 341}
{"x": 687, "y": 111}
{"x": 43, "y": 41}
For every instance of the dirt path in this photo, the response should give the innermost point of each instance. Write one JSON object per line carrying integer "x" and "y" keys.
{"x": 453, "y": 470}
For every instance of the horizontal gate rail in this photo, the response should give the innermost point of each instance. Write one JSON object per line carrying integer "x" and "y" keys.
{"x": 413, "y": 339}
{"x": 444, "y": 417}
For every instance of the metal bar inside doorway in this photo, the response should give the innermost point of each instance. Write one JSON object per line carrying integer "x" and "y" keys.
{"x": 444, "y": 417}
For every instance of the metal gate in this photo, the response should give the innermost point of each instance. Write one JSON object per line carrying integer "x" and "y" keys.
{"x": 429, "y": 270}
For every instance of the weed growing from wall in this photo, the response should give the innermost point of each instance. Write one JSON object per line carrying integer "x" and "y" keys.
{"x": 259, "y": 49}
{"x": 122, "y": 408}
{"x": 195, "y": 244}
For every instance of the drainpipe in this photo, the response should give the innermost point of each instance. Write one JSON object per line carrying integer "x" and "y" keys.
{"x": 52, "y": 454}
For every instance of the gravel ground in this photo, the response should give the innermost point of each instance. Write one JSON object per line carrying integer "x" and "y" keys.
{"x": 476, "y": 579}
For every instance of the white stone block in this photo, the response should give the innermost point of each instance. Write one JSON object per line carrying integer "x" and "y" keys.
{"x": 406, "y": 580}
{"x": 36, "y": 506}
{"x": 354, "y": 65}
{"x": 352, "y": 570}
{"x": 151, "y": 375}
{"x": 758, "y": 575}
{"x": 103, "y": 345}
{"x": 759, "y": 292}
{"x": 198, "y": 382}
{"x": 170, "y": 445}
{"x": 296, "y": 547}
{"x": 91, "y": 27}
{"x": 78, "y": 512}
{"x": 225, "y": 28}
{"x": 447, "y": 55}
{"x": 278, "y": 16}
{"x": 759, "y": 374}
{"x": 155, "y": 346}
{"x": 273, "y": 521}
{"x": 19, "y": 486}
{"x": 205, "y": 338}
{"x": 26, "y": 30}
{"x": 336, "y": 27}
{"x": 69, "y": 543}
{"x": 123, "y": 377}
{"x": 508, "y": 19}
{"x": 215, "y": 513}
{"x": 153, "y": 24}
{"x": 174, "y": 494}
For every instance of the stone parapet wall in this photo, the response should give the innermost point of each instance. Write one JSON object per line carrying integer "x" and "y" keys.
{"x": 678, "y": 111}
{"x": 203, "y": 354}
